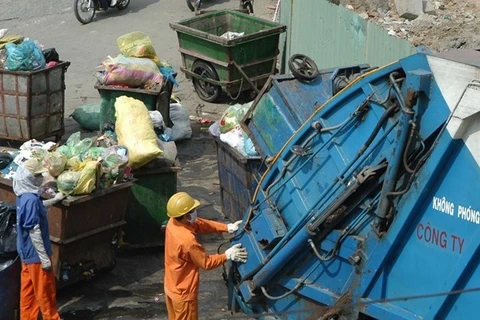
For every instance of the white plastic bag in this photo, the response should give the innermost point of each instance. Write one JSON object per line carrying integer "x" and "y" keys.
{"x": 181, "y": 123}
{"x": 234, "y": 138}
{"x": 157, "y": 119}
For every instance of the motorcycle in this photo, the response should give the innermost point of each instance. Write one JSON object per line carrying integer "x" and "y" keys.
{"x": 85, "y": 9}
{"x": 245, "y": 5}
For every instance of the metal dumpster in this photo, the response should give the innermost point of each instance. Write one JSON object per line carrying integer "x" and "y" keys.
{"x": 84, "y": 231}
{"x": 286, "y": 103}
{"x": 32, "y": 103}
{"x": 156, "y": 98}
{"x": 237, "y": 174}
{"x": 236, "y": 65}
{"x": 147, "y": 206}
{"x": 10, "y": 288}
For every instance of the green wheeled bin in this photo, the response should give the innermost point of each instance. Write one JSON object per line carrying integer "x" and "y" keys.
{"x": 214, "y": 60}
{"x": 147, "y": 206}
{"x": 155, "y": 98}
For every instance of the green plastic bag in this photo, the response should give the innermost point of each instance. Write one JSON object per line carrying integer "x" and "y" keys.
{"x": 77, "y": 146}
{"x": 88, "y": 116}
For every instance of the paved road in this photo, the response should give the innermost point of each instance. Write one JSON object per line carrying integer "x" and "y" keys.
{"x": 129, "y": 291}
{"x": 53, "y": 24}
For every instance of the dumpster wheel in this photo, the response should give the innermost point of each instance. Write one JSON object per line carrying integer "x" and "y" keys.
{"x": 303, "y": 67}
{"x": 206, "y": 91}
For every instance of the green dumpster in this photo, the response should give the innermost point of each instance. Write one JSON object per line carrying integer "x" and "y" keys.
{"x": 156, "y": 98}
{"x": 213, "y": 61}
{"x": 146, "y": 208}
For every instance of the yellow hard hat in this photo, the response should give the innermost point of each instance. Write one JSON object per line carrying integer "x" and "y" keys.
{"x": 181, "y": 203}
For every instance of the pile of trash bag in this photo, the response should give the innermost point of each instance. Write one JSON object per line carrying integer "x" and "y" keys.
{"x": 8, "y": 231}
{"x": 76, "y": 168}
{"x": 228, "y": 129}
{"x": 22, "y": 54}
{"x": 138, "y": 65}
{"x": 80, "y": 166}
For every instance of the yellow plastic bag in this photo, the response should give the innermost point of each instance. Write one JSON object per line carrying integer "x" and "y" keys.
{"x": 86, "y": 182}
{"x": 137, "y": 44}
{"x": 134, "y": 130}
{"x": 55, "y": 162}
{"x": 75, "y": 164}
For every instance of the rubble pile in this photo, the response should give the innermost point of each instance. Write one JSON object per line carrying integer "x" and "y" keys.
{"x": 440, "y": 25}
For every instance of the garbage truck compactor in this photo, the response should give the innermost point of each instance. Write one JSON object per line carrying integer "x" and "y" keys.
{"x": 370, "y": 208}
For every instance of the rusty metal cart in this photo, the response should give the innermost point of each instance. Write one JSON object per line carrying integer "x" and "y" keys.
{"x": 32, "y": 103}
{"x": 234, "y": 65}
{"x": 84, "y": 231}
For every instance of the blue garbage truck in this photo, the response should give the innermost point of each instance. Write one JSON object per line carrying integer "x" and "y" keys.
{"x": 369, "y": 207}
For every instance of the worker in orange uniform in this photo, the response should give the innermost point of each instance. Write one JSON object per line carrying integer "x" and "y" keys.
{"x": 184, "y": 255}
{"x": 38, "y": 291}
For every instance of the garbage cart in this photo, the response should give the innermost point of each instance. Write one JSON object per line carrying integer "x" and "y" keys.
{"x": 84, "y": 231}
{"x": 32, "y": 103}
{"x": 215, "y": 62}
{"x": 155, "y": 98}
{"x": 147, "y": 206}
{"x": 238, "y": 176}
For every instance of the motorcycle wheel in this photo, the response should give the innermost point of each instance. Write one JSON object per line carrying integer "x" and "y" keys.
{"x": 122, "y": 4}
{"x": 191, "y": 4}
{"x": 83, "y": 12}
{"x": 247, "y": 5}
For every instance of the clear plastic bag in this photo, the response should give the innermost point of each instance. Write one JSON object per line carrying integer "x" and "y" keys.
{"x": 78, "y": 146}
{"x": 65, "y": 150}
{"x": 232, "y": 116}
{"x": 115, "y": 157}
{"x": 93, "y": 153}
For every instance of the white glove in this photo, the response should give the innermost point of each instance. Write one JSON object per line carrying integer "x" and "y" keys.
{"x": 232, "y": 227}
{"x": 236, "y": 253}
{"x": 37, "y": 242}
{"x": 58, "y": 197}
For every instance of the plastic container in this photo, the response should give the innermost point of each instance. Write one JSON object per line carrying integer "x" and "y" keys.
{"x": 147, "y": 206}
{"x": 236, "y": 173}
{"x": 32, "y": 103}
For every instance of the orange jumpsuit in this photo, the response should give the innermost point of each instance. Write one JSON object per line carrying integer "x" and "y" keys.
{"x": 183, "y": 258}
{"x": 37, "y": 293}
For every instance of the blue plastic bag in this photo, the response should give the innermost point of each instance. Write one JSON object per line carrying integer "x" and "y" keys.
{"x": 168, "y": 73}
{"x": 26, "y": 56}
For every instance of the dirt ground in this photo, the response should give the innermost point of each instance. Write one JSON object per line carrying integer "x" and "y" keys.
{"x": 455, "y": 24}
